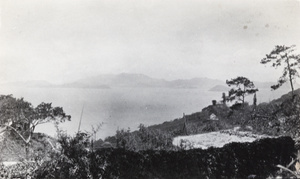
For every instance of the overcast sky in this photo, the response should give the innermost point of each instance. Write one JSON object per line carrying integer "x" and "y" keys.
{"x": 65, "y": 40}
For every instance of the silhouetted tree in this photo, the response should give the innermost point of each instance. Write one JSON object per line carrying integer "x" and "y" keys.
{"x": 184, "y": 129}
{"x": 223, "y": 98}
{"x": 284, "y": 55}
{"x": 254, "y": 100}
{"x": 241, "y": 87}
{"x": 214, "y": 102}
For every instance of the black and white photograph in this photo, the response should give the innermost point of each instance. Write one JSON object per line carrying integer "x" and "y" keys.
{"x": 149, "y": 89}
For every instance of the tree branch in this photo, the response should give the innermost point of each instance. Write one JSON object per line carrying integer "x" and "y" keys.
{"x": 288, "y": 170}
{"x": 20, "y": 135}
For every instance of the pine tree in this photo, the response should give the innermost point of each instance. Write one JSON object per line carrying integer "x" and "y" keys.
{"x": 241, "y": 87}
{"x": 284, "y": 56}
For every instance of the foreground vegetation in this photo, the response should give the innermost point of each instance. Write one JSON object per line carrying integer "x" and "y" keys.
{"x": 232, "y": 161}
{"x": 77, "y": 159}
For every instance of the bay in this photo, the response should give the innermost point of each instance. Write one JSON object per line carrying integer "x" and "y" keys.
{"x": 119, "y": 108}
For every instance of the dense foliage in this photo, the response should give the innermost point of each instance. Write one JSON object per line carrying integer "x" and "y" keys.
{"x": 279, "y": 117}
{"x": 232, "y": 161}
{"x": 143, "y": 139}
{"x": 74, "y": 159}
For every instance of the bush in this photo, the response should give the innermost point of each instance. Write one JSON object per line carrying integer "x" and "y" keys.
{"x": 143, "y": 139}
{"x": 236, "y": 160}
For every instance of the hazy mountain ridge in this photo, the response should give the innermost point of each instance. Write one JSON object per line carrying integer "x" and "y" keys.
{"x": 143, "y": 81}
{"x": 140, "y": 81}
{"x": 120, "y": 80}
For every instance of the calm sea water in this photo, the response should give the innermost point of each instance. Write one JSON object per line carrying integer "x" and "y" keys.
{"x": 122, "y": 107}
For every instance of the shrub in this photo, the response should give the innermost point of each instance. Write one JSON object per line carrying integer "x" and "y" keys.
{"x": 236, "y": 160}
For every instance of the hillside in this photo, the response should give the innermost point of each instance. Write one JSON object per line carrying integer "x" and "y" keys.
{"x": 199, "y": 122}
{"x": 264, "y": 118}
{"x": 286, "y": 97}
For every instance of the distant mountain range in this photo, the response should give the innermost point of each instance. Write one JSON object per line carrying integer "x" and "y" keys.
{"x": 138, "y": 81}
{"x": 142, "y": 81}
